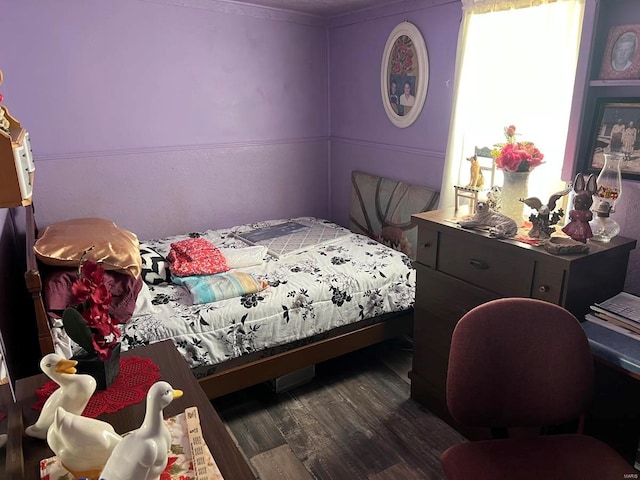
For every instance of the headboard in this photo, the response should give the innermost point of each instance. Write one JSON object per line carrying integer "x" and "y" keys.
{"x": 381, "y": 208}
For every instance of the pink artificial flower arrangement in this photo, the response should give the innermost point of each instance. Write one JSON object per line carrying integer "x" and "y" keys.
{"x": 90, "y": 324}
{"x": 516, "y": 156}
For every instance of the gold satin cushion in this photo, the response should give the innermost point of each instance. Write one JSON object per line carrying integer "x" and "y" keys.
{"x": 62, "y": 244}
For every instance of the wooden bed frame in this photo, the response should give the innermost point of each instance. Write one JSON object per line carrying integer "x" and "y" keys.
{"x": 229, "y": 379}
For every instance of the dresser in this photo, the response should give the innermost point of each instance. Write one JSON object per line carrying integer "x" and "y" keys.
{"x": 458, "y": 269}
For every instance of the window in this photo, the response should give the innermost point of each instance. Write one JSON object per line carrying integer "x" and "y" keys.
{"x": 516, "y": 65}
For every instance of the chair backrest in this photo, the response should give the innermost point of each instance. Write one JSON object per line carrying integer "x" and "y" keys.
{"x": 518, "y": 362}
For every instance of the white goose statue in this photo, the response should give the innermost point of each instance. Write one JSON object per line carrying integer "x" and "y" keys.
{"x": 73, "y": 395}
{"x": 82, "y": 444}
{"x": 142, "y": 455}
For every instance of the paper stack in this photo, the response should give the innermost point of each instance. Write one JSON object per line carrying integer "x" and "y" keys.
{"x": 620, "y": 313}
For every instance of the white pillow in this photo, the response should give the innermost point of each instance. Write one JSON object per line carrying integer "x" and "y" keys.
{"x": 144, "y": 306}
{"x": 244, "y": 257}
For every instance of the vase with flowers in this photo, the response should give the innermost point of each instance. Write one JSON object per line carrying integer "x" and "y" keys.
{"x": 516, "y": 160}
{"x": 91, "y": 326}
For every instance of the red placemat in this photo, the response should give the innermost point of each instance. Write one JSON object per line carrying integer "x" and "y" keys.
{"x": 130, "y": 387}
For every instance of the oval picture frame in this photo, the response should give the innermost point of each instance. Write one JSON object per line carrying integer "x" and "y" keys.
{"x": 404, "y": 74}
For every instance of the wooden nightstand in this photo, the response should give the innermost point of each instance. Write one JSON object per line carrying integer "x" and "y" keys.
{"x": 23, "y": 456}
{"x": 459, "y": 269}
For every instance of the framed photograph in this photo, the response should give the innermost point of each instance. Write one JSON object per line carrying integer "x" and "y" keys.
{"x": 615, "y": 130}
{"x": 404, "y": 74}
{"x": 622, "y": 56}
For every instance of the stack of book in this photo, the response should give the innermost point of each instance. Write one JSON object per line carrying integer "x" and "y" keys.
{"x": 620, "y": 313}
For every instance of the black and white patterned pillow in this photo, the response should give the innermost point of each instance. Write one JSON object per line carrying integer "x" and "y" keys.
{"x": 155, "y": 268}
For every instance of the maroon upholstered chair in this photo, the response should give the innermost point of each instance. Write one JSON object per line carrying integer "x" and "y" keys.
{"x": 520, "y": 362}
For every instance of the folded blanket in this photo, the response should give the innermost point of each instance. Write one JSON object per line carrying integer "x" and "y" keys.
{"x": 212, "y": 288}
{"x": 195, "y": 256}
{"x": 244, "y": 257}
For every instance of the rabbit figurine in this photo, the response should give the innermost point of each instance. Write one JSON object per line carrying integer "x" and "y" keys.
{"x": 578, "y": 227}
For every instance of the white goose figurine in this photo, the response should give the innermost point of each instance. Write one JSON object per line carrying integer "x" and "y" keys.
{"x": 73, "y": 395}
{"x": 82, "y": 444}
{"x": 142, "y": 455}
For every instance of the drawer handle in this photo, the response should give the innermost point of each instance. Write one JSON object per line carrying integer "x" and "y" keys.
{"x": 479, "y": 264}
{"x": 543, "y": 288}
{"x": 426, "y": 245}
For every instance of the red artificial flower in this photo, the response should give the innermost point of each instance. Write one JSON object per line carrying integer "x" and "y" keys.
{"x": 516, "y": 156}
{"x": 94, "y": 297}
{"x": 92, "y": 271}
{"x": 81, "y": 289}
{"x": 101, "y": 295}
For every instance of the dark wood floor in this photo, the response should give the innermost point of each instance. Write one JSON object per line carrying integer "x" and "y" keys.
{"x": 355, "y": 420}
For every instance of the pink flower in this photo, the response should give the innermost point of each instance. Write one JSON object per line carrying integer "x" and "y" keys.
{"x": 516, "y": 156}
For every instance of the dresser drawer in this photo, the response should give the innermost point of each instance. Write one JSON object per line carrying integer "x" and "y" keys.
{"x": 548, "y": 282}
{"x": 486, "y": 263}
{"x": 441, "y": 300}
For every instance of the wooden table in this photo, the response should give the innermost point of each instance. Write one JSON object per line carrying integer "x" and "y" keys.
{"x": 24, "y": 453}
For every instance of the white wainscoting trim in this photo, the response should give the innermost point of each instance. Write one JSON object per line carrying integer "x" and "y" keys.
{"x": 387, "y": 146}
{"x": 179, "y": 148}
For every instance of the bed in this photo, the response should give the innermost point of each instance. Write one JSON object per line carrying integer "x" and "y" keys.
{"x": 326, "y": 291}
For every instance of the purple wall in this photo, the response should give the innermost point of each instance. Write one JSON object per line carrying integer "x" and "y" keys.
{"x": 362, "y": 137}
{"x": 169, "y": 118}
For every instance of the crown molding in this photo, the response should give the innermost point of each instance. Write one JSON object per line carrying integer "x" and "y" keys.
{"x": 236, "y": 8}
{"x": 374, "y": 13}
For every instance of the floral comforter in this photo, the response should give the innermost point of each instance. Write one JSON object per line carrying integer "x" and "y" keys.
{"x": 309, "y": 292}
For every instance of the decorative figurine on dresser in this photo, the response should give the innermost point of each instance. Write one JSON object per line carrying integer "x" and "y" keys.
{"x": 476, "y": 177}
{"x": 16, "y": 161}
{"x": 542, "y": 222}
{"x": 578, "y": 227}
{"x": 500, "y": 226}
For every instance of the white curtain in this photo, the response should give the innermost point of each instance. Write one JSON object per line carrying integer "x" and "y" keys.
{"x": 515, "y": 65}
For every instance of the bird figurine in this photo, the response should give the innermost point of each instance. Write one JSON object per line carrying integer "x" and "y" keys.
{"x": 82, "y": 444}
{"x": 73, "y": 395}
{"x": 546, "y": 217}
{"x": 143, "y": 454}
